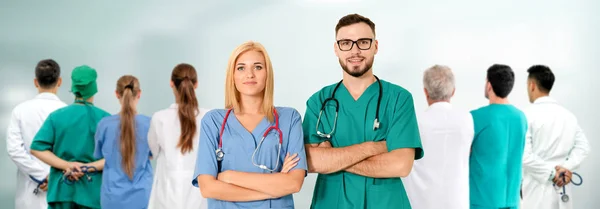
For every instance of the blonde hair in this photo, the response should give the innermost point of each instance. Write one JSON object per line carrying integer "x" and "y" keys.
{"x": 232, "y": 95}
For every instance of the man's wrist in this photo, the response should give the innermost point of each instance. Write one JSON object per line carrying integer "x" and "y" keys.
{"x": 375, "y": 148}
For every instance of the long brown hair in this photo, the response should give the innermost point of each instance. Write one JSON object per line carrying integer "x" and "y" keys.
{"x": 184, "y": 78}
{"x": 128, "y": 88}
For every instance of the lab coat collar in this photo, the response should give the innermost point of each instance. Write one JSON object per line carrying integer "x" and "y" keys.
{"x": 442, "y": 105}
{"x": 544, "y": 99}
{"x": 174, "y": 106}
{"x": 46, "y": 95}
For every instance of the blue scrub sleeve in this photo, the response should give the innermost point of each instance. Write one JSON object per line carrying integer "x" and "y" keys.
{"x": 404, "y": 129}
{"x": 99, "y": 139}
{"x": 295, "y": 141}
{"x": 44, "y": 138}
{"x": 206, "y": 160}
{"x": 313, "y": 106}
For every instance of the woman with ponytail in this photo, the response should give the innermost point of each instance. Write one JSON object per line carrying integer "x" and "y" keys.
{"x": 173, "y": 139}
{"x": 122, "y": 140}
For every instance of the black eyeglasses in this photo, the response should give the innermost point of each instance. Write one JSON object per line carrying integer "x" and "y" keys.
{"x": 362, "y": 44}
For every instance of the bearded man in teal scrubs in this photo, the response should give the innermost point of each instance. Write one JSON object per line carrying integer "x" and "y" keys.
{"x": 364, "y": 139}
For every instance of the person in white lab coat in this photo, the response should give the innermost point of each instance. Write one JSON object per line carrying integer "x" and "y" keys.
{"x": 441, "y": 179}
{"x": 26, "y": 120}
{"x": 173, "y": 140}
{"x": 555, "y": 144}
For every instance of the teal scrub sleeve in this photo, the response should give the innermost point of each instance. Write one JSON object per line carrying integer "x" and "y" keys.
{"x": 206, "y": 160}
{"x": 295, "y": 141}
{"x": 313, "y": 106}
{"x": 44, "y": 138}
{"x": 404, "y": 129}
{"x": 477, "y": 125}
{"x": 99, "y": 139}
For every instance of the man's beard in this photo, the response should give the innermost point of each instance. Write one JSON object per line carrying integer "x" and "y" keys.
{"x": 356, "y": 71}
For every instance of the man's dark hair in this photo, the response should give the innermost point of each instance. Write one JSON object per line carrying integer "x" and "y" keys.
{"x": 543, "y": 77}
{"x": 353, "y": 19}
{"x": 47, "y": 73}
{"x": 502, "y": 79}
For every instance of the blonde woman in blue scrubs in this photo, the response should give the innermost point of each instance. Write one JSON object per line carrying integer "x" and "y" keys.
{"x": 251, "y": 153}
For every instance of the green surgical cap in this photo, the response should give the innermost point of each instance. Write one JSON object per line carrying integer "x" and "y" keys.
{"x": 84, "y": 82}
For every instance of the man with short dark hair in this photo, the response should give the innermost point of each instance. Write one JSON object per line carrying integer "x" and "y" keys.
{"x": 497, "y": 151}
{"x": 555, "y": 145}
{"x": 26, "y": 120}
{"x": 361, "y": 134}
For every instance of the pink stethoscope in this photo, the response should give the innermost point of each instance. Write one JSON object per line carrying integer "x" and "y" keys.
{"x": 221, "y": 154}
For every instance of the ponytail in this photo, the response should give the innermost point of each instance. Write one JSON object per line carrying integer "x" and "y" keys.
{"x": 188, "y": 108}
{"x": 127, "y": 140}
{"x": 184, "y": 78}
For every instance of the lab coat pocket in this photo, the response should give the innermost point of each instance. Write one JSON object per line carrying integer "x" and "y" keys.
{"x": 327, "y": 192}
{"x": 390, "y": 194}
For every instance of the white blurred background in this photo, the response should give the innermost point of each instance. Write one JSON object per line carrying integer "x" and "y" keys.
{"x": 147, "y": 39}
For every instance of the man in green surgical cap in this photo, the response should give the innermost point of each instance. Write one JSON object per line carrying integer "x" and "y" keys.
{"x": 66, "y": 142}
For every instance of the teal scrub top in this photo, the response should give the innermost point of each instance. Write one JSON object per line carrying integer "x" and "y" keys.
{"x": 354, "y": 126}
{"x": 69, "y": 134}
{"x": 496, "y": 156}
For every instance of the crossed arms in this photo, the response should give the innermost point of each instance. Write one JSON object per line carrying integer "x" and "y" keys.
{"x": 366, "y": 159}
{"x": 235, "y": 186}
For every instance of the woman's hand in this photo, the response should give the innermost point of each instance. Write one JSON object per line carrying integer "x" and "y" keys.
{"x": 289, "y": 162}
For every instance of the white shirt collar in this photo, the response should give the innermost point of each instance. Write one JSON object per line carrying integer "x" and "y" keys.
{"x": 443, "y": 105}
{"x": 544, "y": 99}
{"x": 46, "y": 95}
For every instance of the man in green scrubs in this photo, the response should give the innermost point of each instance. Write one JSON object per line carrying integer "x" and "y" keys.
{"x": 497, "y": 149}
{"x": 360, "y": 159}
{"x": 66, "y": 142}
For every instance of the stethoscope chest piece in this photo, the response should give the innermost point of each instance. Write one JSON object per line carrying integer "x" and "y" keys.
{"x": 220, "y": 154}
{"x": 376, "y": 124}
{"x": 565, "y": 198}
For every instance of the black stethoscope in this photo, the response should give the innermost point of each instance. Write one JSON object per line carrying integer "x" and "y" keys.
{"x": 337, "y": 108}
{"x": 563, "y": 195}
{"x": 221, "y": 154}
{"x": 39, "y": 184}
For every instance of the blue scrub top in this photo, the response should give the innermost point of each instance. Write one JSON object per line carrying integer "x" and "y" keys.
{"x": 118, "y": 191}
{"x": 238, "y": 145}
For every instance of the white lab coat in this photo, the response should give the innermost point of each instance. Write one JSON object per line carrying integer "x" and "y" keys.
{"x": 441, "y": 178}
{"x": 554, "y": 138}
{"x": 172, "y": 187}
{"x": 26, "y": 120}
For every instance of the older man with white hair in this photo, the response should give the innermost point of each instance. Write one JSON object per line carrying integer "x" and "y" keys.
{"x": 441, "y": 179}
